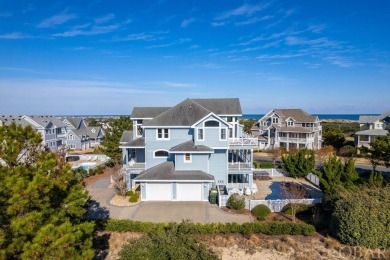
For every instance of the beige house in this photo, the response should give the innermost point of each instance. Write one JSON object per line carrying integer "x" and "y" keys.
{"x": 371, "y": 127}
{"x": 288, "y": 128}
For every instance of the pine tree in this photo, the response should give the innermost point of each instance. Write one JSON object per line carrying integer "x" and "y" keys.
{"x": 111, "y": 140}
{"x": 349, "y": 175}
{"x": 41, "y": 203}
{"x": 299, "y": 164}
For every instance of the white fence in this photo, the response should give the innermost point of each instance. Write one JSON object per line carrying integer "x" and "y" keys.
{"x": 272, "y": 172}
{"x": 273, "y": 205}
{"x": 314, "y": 179}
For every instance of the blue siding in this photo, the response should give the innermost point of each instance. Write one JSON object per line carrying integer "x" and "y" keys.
{"x": 218, "y": 166}
{"x": 206, "y": 190}
{"x": 140, "y": 154}
{"x": 199, "y": 162}
{"x": 211, "y": 135}
{"x": 177, "y": 136}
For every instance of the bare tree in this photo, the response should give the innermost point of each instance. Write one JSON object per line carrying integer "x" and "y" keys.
{"x": 323, "y": 153}
{"x": 276, "y": 152}
{"x": 118, "y": 178}
{"x": 294, "y": 193}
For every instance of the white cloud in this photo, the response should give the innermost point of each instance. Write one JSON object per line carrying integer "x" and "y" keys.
{"x": 245, "y": 9}
{"x": 15, "y": 36}
{"x": 177, "y": 42}
{"x": 105, "y": 18}
{"x": 94, "y": 30}
{"x": 254, "y": 20}
{"x": 187, "y": 22}
{"x": 56, "y": 20}
{"x": 217, "y": 24}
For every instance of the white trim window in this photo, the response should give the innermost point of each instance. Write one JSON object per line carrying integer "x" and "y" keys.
{"x": 222, "y": 135}
{"x": 200, "y": 134}
{"x": 290, "y": 123}
{"x": 160, "y": 154}
{"x": 211, "y": 123}
{"x": 162, "y": 134}
{"x": 187, "y": 158}
{"x": 275, "y": 120}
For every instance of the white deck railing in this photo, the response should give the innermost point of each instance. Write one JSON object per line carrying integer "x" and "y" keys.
{"x": 237, "y": 185}
{"x": 245, "y": 139}
{"x": 135, "y": 166}
{"x": 296, "y": 140}
{"x": 239, "y": 166}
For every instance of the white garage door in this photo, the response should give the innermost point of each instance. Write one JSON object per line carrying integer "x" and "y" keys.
{"x": 189, "y": 191}
{"x": 158, "y": 191}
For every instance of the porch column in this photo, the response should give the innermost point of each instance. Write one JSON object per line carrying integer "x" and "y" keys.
{"x": 251, "y": 157}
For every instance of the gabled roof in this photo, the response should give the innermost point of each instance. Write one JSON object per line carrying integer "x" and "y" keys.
{"x": 147, "y": 112}
{"x": 297, "y": 114}
{"x": 166, "y": 172}
{"x": 127, "y": 136}
{"x": 87, "y": 131}
{"x": 189, "y": 146}
{"x": 372, "y": 119}
{"x": 185, "y": 113}
{"x": 221, "y": 106}
{"x": 74, "y": 121}
{"x": 44, "y": 121}
{"x": 136, "y": 143}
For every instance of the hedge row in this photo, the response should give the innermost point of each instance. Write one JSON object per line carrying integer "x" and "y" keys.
{"x": 267, "y": 228}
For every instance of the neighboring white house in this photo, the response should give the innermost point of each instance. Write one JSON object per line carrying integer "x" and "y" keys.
{"x": 51, "y": 128}
{"x": 371, "y": 127}
{"x": 288, "y": 128}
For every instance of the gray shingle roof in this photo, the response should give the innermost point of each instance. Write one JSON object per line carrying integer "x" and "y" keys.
{"x": 372, "y": 132}
{"x": 139, "y": 142}
{"x": 297, "y": 114}
{"x": 185, "y": 113}
{"x": 166, "y": 171}
{"x": 147, "y": 112}
{"x": 127, "y": 136}
{"x": 75, "y": 121}
{"x": 17, "y": 119}
{"x": 189, "y": 146}
{"x": 45, "y": 121}
{"x": 367, "y": 119}
{"x": 88, "y": 131}
{"x": 221, "y": 106}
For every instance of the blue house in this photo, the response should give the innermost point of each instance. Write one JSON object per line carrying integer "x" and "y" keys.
{"x": 178, "y": 153}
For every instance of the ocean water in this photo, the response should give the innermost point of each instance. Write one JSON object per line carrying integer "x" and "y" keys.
{"x": 320, "y": 116}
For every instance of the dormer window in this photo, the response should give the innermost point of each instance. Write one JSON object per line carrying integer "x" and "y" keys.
{"x": 93, "y": 130}
{"x": 290, "y": 123}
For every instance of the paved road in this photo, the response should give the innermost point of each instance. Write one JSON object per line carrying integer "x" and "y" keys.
{"x": 201, "y": 212}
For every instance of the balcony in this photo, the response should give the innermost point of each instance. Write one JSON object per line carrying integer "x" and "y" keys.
{"x": 296, "y": 140}
{"x": 239, "y": 166}
{"x": 134, "y": 167}
{"x": 245, "y": 140}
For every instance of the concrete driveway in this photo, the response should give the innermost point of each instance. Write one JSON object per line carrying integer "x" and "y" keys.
{"x": 197, "y": 212}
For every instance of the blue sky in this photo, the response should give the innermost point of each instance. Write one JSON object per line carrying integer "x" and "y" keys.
{"x": 104, "y": 57}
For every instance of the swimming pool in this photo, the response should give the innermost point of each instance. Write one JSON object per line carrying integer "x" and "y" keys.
{"x": 85, "y": 165}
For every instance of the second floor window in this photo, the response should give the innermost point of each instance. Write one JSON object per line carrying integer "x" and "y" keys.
{"x": 290, "y": 123}
{"x": 161, "y": 153}
{"x": 139, "y": 130}
{"x": 275, "y": 120}
{"x": 223, "y": 134}
{"x": 162, "y": 133}
{"x": 200, "y": 134}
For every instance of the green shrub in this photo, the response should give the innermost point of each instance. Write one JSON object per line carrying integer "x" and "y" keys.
{"x": 175, "y": 242}
{"x": 134, "y": 197}
{"x": 236, "y": 201}
{"x": 256, "y": 165}
{"x": 261, "y": 211}
{"x": 130, "y": 193}
{"x": 260, "y": 218}
{"x": 266, "y": 165}
{"x": 267, "y": 228}
{"x": 362, "y": 218}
